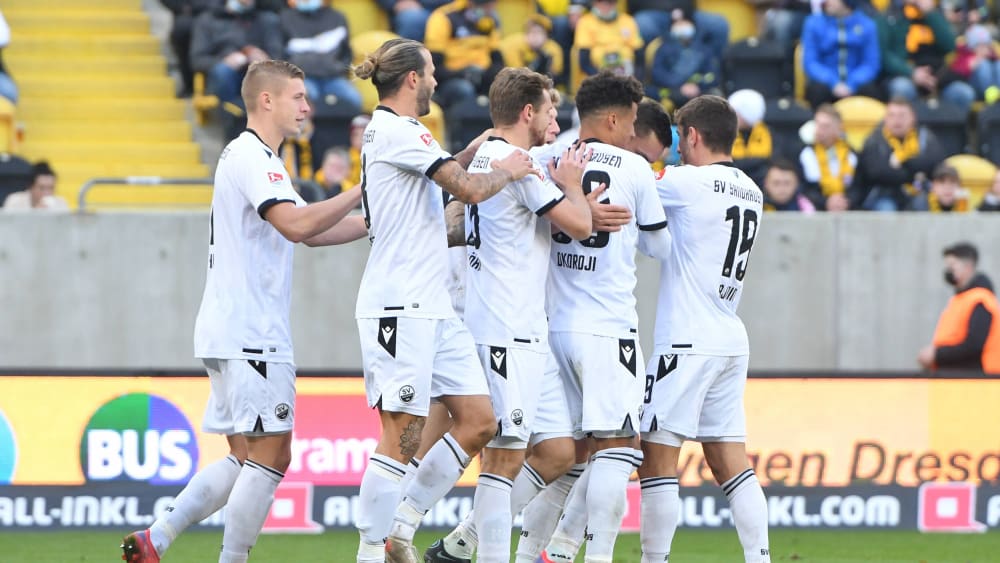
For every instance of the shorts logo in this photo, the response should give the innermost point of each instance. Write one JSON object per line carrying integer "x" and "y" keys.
{"x": 668, "y": 363}
{"x": 517, "y": 417}
{"x": 626, "y": 355}
{"x": 281, "y": 411}
{"x": 427, "y": 138}
{"x": 275, "y": 177}
{"x": 387, "y": 334}
{"x": 406, "y": 393}
{"x": 498, "y": 360}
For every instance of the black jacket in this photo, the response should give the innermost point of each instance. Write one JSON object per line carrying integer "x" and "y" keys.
{"x": 218, "y": 33}
{"x": 306, "y": 25}
{"x": 873, "y": 170}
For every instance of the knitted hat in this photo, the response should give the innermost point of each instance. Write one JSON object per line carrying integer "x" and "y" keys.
{"x": 748, "y": 104}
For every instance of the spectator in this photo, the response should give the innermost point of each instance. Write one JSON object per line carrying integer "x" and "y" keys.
{"x": 409, "y": 17}
{"x": 840, "y": 53}
{"x": 754, "y": 147}
{"x": 968, "y": 331}
{"x": 827, "y": 161}
{"x": 317, "y": 41}
{"x": 564, "y": 15}
{"x": 977, "y": 63}
{"x": 40, "y": 195}
{"x": 185, "y": 12}
{"x": 915, "y": 41}
{"x": 332, "y": 176}
{"x": 783, "y": 22}
{"x": 962, "y": 14}
{"x": 782, "y": 191}
{"x": 608, "y": 40}
{"x": 463, "y": 38}
{"x": 654, "y": 19}
{"x": 683, "y": 66}
{"x": 945, "y": 195}
{"x": 7, "y": 87}
{"x": 226, "y": 39}
{"x": 356, "y": 139}
{"x": 895, "y": 161}
{"x": 991, "y": 201}
{"x": 538, "y": 52}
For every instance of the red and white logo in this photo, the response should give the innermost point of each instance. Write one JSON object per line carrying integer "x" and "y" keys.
{"x": 275, "y": 177}
{"x": 427, "y": 138}
{"x": 660, "y": 173}
{"x": 947, "y": 507}
{"x": 292, "y": 509}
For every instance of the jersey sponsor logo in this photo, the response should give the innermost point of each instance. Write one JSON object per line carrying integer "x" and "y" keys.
{"x": 8, "y": 451}
{"x": 661, "y": 173}
{"x": 498, "y": 360}
{"x": 427, "y": 138}
{"x": 139, "y": 437}
{"x": 387, "y": 334}
{"x": 947, "y": 507}
{"x": 275, "y": 177}
{"x": 406, "y": 393}
{"x": 626, "y": 354}
{"x": 281, "y": 411}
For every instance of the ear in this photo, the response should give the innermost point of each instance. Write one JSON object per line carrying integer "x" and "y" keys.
{"x": 412, "y": 78}
{"x": 265, "y": 100}
{"x": 527, "y": 112}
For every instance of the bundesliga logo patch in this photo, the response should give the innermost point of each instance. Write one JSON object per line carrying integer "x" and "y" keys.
{"x": 427, "y": 138}
{"x": 275, "y": 177}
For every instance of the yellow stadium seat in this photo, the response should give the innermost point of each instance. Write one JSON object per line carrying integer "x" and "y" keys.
{"x": 741, "y": 14}
{"x": 434, "y": 121}
{"x": 649, "y": 53}
{"x": 8, "y": 127}
{"x": 202, "y": 103}
{"x": 362, "y": 15}
{"x": 976, "y": 173}
{"x": 513, "y": 14}
{"x": 369, "y": 95}
{"x": 860, "y": 115}
{"x": 364, "y": 43}
{"x": 800, "y": 74}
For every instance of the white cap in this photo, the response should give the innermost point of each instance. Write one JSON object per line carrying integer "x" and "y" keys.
{"x": 748, "y": 104}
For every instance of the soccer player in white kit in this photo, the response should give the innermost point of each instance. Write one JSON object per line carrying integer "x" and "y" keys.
{"x": 592, "y": 317}
{"x": 696, "y": 377}
{"x": 242, "y": 333}
{"x": 413, "y": 345}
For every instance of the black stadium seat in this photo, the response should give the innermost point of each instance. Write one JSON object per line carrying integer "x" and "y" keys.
{"x": 763, "y": 66}
{"x": 949, "y": 124}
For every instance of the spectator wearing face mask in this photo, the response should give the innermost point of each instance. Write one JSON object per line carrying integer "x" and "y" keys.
{"x": 317, "y": 41}
{"x": 655, "y": 18}
{"x": 684, "y": 67}
{"x": 967, "y": 335}
{"x": 464, "y": 39}
{"x": 608, "y": 40}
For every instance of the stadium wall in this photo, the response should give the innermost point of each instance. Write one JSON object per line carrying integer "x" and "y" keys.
{"x": 120, "y": 291}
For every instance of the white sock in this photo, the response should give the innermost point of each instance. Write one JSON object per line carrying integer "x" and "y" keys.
{"x": 411, "y": 470}
{"x": 661, "y": 507}
{"x": 438, "y": 472}
{"x": 493, "y": 518}
{"x": 568, "y": 535}
{"x": 542, "y": 514}
{"x": 377, "y": 503}
{"x": 207, "y": 492}
{"x": 249, "y": 503}
{"x": 749, "y": 507}
{"x": 527, "y": 485}
{"x": 609, "y": 473}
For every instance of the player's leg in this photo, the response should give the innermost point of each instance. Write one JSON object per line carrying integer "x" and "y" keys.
{"x": 208, "y": 489}
{"x": 398, "y": 356}
{"x": 722, "y": 431}
{"x": 266, "y": 393}
{"x": 660, "y": 504}
{"x": 438, "y": 423}
{"x": 459, "y": 383}
{"x": 542, "y": 514}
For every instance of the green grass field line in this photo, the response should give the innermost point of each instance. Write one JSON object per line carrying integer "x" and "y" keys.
{"x": 695, "y": 546}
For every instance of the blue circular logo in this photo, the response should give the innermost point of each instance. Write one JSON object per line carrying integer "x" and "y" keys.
{"x": 8, "y": 451}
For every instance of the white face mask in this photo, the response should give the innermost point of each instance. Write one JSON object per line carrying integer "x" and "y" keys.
{"x": 237, "y": 6}
{"x": 682, "y": 32}
{"x": 608, "y": 15}
{"x": 308, "y": 5}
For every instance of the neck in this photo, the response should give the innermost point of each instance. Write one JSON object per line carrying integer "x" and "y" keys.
{"x": 588, "y": 131}
{"x": 705, "y": 158}
{"x": 267, "y": 132}
{"x": 516, "y": 135}
{"x": 401, "y": 105}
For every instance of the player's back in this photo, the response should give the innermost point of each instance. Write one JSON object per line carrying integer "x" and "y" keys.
{"x": 407, "y": 269}
{"x": 508, "y": 247}
{"x": 713, "y": 213}
{"x": 591, "y": 282}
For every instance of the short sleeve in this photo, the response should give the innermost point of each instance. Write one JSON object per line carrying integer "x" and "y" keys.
{"x": 668, "y": 188}
{"x": 264, "y": 182}
{"x": 649, "y": 211}
{"x": 538, "y": 195}
{"x": 414, "y": 148}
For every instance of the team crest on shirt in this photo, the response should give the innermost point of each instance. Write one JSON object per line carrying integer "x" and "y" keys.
{"x": 498, "y": 360}
{"x": 275, "y": 177}
{"x": 427, "y": 138}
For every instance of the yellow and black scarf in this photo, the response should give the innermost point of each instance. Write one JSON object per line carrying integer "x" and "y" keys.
{"x": 757, "y": 145}
{"x": 904, "y": 149}
{"x": 829, "y": 183}
{"x": 961, "y": 205}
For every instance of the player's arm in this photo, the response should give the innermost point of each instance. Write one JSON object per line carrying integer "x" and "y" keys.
{"x": 572, "y": 213}
{"x": 465, "y": 156}
{"x": 348, "y": 229}
{"x": 607, "y": 217}
{"x": 298, "y": 224}
{"x": 477, "y": 188}
{"x": 454, "y": 218}
{"x": 654, "y": 237}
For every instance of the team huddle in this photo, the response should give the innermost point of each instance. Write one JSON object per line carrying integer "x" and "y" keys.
{"x": 544, "y": 376}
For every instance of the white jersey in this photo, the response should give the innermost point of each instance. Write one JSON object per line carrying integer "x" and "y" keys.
{"x": 508, "y": 248}
{"x": 714, "y": 214}
{"x": 244, "y": 311}
{"x": 591, "y": 281}
{"x": 407, "y": 271}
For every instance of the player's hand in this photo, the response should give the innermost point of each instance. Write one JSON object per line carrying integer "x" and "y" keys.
{"x": 606, "y": 217}
{"x": 518, "y": 163}
{"x": 255, "y": 54}
{"x": 926, "y": 356}
{"x": 235, "y": 60}
{"x": 569, "y": 170}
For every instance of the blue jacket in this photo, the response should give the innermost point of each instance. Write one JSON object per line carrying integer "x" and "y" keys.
{"x": 675, "y": 63}
{"x": 821, "y": 51}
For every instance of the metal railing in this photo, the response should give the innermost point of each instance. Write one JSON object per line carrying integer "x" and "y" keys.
{"x": 81, "y": 199}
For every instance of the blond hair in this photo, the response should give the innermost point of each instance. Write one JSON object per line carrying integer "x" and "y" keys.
{"x": 263, "y": 76}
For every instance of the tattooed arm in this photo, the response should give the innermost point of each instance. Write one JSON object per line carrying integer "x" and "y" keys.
{"x": 476, "y": 188}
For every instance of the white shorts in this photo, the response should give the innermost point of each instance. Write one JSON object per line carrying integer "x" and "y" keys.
{"x": 552, "y": 419}
{"x": 514, "y": 376}
{"x": 603, "y": 387}
{"x": 692, "y": 397}
{"x": 407, "y": 361}
{"x": 249, "y": 397}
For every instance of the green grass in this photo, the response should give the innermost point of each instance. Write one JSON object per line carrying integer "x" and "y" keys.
{"x": 689, "y": 546}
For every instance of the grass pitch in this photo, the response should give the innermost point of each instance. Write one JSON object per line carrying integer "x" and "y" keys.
{"x": 689, "y": 546}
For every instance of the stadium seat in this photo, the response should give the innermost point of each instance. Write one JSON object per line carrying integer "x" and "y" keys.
{"x": 363, "y": 15}
{"x": 8, "y": 128}
{"x": 202, "y": 102}
{"x": 949, "y": 124}
{"x": 860, "y": 115}
{"x": 758, "y": 65}
{"x": 466, "y": 120}
{"x": 988, "y": 129}
{"x": 649, "y": 56}
{"x": 513, "y": 14}
{"x": 741, "y": 14}
{"x": 799, "y": 72}
{"x": 368, "y": 42}
{"x": 976, "y": 174}
{"x": 784, "y": 117}
{"x": 331, "y": 127}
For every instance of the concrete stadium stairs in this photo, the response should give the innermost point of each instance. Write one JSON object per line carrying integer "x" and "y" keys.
{"x": 96, "y": 101}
